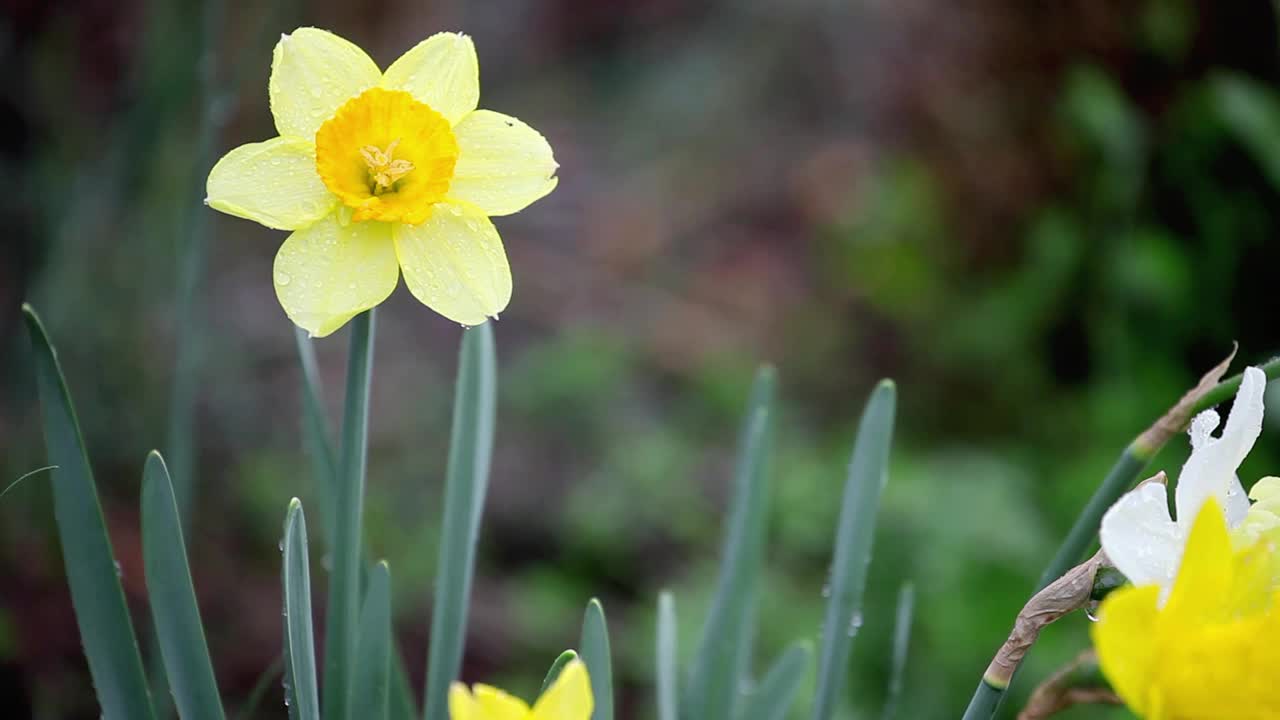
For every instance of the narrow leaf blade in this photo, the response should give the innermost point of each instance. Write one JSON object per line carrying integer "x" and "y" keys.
{"x": 724, "y": 654}
{"x": 666, "y": 672}
{"x": 868, "y": 472}
{"x": 777, "y": 691}
{"x": 301, "y": 690}
{"x": 316, "y": 437}
{"x": 173, "y": 599}
{"x": 348, "y": 561}
{"x": 106, "y": 631}
{"x": 466, "y": 482}
{"x": 594, "y": 647}
{"x": 324, "y": 466}
{"x": 373, "y": 649}
{"x": 901, "y": 643}
{"x": 561, "y": 660}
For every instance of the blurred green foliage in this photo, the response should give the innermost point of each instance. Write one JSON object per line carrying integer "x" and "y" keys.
{"x": 808, "y": 217}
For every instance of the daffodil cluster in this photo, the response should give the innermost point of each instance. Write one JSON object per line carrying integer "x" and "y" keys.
{"x": 1198, "y": 634}
{"x": 378, "y": 173}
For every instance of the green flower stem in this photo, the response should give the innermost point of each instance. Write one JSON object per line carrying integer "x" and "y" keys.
{"x": 344, "y": 583}
{"x": 1122, "y": 476}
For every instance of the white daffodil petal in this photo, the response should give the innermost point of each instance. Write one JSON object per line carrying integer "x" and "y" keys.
{"x": 441, "y": 71}
{"x": 329, "y": 272}
{"x": 1236, "y": 505}
{"x": 1202, "y": 427}
{"x": 454, "y": 264}
{"x": 313, "y": 72}
{"x": 273, "y": 183}
{"x": 1140, "y": 538}
{"x": 503, "y": 164}
{"x": 1210, "y": 470}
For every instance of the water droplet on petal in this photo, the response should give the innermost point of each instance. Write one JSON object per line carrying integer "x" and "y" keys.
{"x": 283, "y": 279}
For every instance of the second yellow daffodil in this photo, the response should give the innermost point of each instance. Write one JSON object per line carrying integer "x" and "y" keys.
{"x": 568, "y": 698}
{"x": 382, "y": 173}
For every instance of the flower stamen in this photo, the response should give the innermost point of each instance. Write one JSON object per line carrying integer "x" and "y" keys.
{"x": 384, "y": 169}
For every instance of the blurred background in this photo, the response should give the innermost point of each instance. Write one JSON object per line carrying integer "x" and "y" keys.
{"x": 1043, "y": 220}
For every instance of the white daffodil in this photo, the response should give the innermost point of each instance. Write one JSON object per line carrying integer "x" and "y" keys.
{"x": 1137, "y": 533}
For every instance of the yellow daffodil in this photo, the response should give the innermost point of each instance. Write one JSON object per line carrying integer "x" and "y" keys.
{"x": 378, "y": 173}
{"x": 1208, "y": 652}
{"x": 568, "y": 698}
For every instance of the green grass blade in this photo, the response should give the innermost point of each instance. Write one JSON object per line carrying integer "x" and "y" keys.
{"x": 563, "y": 659}
{"x": 173, "y": 599}
{"x": 594, "y": 647}
{"x": 721, "y": 663}
{"x": 348, "y": 564}
{"x": 106, "y": 631}
{"x": 666, "y": 670}
{"x": 777, "y": 691}
{"x": 315, "y": 432}
{"x": 466, "y": 481}
{"x": 300, "y": 650}
{"x": 266, "y": 679}
{"x": 373, "y": 649}
{"x": 868, "y": 471}
{"x": 901, "y": 644}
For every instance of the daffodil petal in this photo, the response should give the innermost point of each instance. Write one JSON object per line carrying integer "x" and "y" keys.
{"x": 461, "y": 705}
{"x": 1210, "y": 470}
{"x": 313, "y": 72}
{"x": 503, "y": 164}
{"x": 441, "y": 71}
{"x": 454, "y": 264}
{"x": 1127, "y": 643}
{"x": 1205, "y": 573}
{"x": 273, "y": 183}
{"x": 568, "y": 698}
{"x": 329, "y": 272}
{"x": 1140, "y": 538}
{"x": 494, "y": 704}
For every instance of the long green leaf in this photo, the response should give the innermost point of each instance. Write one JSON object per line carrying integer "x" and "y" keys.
{"x": 324, "y": 467}
{"x": 315, "y": 432}
{"x": 901, "y": 643}
{"x": 373, "y": 649}
{"x": 466, "y": 481}
{"x": 105, "y": 628}
{"x": 721, "y": 663}
{"x": 553, "y": 672}
{"x": 300, "y": 650}
{"x": 594, "y": 647}
{"x": 344, "y": 583}
{"x": 777, "y": 691}
{"x": 173, "y": 599}
{"x": 868, "y": 472}
{"x": 401, "y": 705}
{"x": 665, "y": 671}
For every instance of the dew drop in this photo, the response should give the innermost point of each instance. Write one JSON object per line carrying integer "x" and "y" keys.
{"x": 283, "y": 279}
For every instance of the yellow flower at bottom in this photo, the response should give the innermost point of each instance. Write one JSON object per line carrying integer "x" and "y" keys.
{"x": 568, "y": 698}
{"x": 1212, "y": 649}
{"x": 378, "y": 174}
